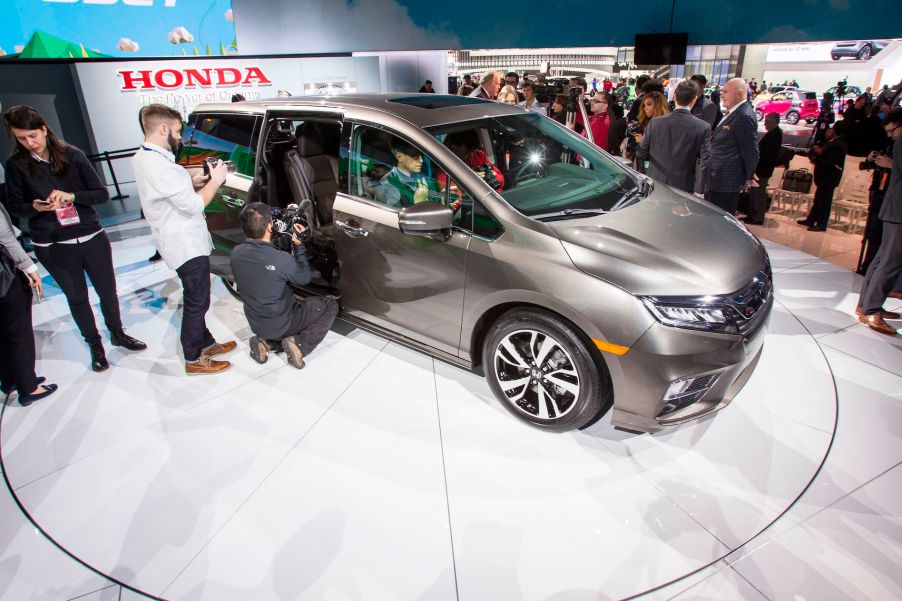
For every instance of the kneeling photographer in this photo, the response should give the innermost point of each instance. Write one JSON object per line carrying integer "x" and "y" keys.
{"x": 264, "y": 275}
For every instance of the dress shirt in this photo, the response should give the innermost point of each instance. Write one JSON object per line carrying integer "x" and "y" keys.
{"x": 173, "y": 209}
{"x": 535, "y": 108}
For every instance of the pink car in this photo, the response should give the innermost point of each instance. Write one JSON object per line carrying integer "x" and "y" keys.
{"x": 792, "y": 105}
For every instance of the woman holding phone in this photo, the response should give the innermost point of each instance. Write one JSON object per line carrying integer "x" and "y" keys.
{"x": 52, "y": 184}
{"x": 16, "y": 333}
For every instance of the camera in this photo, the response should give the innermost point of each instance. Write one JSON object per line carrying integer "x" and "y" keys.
{"x": 489, "y": 178}
{"x": 210, "y": 163}
{"x": 634, "y": 127}
{"x": 869, "y": 164}
{"x": 283, "y": 222}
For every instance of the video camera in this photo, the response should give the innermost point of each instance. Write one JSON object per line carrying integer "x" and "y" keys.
{"x": 283, "y": 222}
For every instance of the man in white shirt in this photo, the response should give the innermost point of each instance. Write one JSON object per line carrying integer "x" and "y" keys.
{"x": 175, "y": 212}
{"x": 531, "y": 103}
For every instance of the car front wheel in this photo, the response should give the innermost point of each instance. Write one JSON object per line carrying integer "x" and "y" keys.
{"x": 543, "y": 371}
{"x": 864, "y": 54}
{"x": 792, "y": 117}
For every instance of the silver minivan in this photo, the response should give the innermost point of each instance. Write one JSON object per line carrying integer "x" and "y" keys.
{"x": 498, "y": 240}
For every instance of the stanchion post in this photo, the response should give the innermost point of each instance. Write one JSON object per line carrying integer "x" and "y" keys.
{"x": 109, "y": 164}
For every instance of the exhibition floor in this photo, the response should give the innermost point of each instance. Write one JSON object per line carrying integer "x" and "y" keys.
{"x": 379, "y": 473}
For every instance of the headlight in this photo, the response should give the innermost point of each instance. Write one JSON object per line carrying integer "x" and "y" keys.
{"x": 705, "y": 313}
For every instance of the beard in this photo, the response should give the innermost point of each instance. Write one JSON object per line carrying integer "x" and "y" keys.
{"x": 175, "y": 146}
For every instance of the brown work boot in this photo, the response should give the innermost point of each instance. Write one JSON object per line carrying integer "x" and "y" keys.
{"x": 876, "y": 323}
{"x": 205, "y": 365}
{"x": 883, "y": 313}
{"x": 293, "y": 352}
{"x": 220, "y": 348}
{"x": 259, "y": 349}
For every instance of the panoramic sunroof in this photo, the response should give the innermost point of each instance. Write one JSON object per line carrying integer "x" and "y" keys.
{"x": 438, "y": 101}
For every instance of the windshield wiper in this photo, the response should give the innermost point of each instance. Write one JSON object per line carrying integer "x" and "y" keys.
{"x": 568, "y": 213}
{"x": 643, "y": 188}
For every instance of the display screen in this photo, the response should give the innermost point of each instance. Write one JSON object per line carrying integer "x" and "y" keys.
{"x": 661, "y": 48}
{"x": 52, "y": 29}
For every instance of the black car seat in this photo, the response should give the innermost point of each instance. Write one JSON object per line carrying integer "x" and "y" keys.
{"x": 312, "y": 173}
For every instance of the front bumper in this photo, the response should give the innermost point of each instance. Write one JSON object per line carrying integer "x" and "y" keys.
{"x": 666, "y": 354}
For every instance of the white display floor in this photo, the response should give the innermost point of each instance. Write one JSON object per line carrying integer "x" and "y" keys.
{"x": 379, "y": 473}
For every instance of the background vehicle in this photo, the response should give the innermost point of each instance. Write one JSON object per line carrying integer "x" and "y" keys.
{"x": 766, "y": 95}
{"x": 792, "y": 105}
{"x": 860, "y": 50}
{"x": 576, "y": 286}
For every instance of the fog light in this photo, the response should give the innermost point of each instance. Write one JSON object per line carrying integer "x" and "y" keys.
{"x": 683, "y": 393}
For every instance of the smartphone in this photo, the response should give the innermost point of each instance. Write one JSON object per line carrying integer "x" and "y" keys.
{"x": 43, "y": 201}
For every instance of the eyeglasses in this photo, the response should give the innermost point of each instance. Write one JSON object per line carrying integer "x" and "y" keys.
{"x": 889, "y": 132}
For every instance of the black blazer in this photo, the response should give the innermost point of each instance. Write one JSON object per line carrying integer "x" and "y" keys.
{"x": 676, "y": 144}
{"x": 769, "y": 150}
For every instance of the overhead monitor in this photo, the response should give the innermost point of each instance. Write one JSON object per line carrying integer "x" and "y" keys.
{"x": 654, "y": 49}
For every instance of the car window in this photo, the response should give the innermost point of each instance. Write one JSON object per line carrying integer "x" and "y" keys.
{"x": 539, "y": 167}
{"x": 779, "y": 96}
{"x": 225, "y": 137}
{"x": 390, "y": 170}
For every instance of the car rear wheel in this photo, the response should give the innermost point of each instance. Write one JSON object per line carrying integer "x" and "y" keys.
{"x": 834, "y": 57}
{"x": 864, "y": 54}
{"x": 792, "y": 117}
{"x": 759, "y": 114}
{"x": 543, "y": 371}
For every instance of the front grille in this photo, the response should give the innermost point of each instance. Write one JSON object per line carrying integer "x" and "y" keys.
{"x": 749, "y": 305}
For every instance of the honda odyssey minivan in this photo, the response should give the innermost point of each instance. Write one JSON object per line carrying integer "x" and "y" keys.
{"x": 574, "y": 284}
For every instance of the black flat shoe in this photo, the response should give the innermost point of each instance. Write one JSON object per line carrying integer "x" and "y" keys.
{"x": 805, "y": 222}
{"x": 122, "y": 339}
{"x": 98, "y": 358}
{"x": 814, "y": 228}
{"x": 27, "y": 399}
{"x": 155, "y": 257}
{"x": 39, "y": 380}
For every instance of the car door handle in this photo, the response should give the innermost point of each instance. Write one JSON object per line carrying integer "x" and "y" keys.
{"x": 351, "y": 230}
{"x": 232, "y": 201}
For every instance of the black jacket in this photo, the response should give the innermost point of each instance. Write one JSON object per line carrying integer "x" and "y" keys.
{"x": 263, "y": 273}
{"x": 768, "y": 152}
{"x": 829, "y": 164}
{"x": 29, "y": 180}
{"x": 892, "y": 203}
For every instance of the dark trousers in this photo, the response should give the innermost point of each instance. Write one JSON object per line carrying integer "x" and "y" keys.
{"x": 819, "y": 216}
{"x": 68, "y": 263}
{"x": 17, "y": 338}
{"x": 728, "y": 201}
{"x": 884, "y": 269}
{"x": 758, "y": 201}
{"x": 195, "y": 277}
{"x": 311, "y": 320}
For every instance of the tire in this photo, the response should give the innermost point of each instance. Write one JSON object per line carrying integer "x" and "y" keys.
{"x": 759, "y": 114}
{"x": 865, "y": 53}
{"x": 528, "y": 346}
{"x": 834, "y": 57}
{"x": 792, "y": 117}
{"x": 809, "y": 121}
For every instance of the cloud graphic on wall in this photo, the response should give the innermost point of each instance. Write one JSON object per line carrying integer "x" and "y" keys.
{"x": 180, "y": 35}
{"x": 127, "y": 45}
{"x": 229, "y": 16}
{"x": 338, "y": 27}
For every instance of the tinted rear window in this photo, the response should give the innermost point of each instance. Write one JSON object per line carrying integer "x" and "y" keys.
{"x": 810, "y": 95}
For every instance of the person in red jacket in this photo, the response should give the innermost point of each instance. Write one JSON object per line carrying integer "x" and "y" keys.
{"x": 465, "y": 144}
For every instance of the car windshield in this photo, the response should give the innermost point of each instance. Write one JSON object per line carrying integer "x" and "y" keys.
{"x": 547, "y": 171}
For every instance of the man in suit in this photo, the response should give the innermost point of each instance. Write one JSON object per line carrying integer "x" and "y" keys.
{"x": 704, "y": 109}
{"x": 734, "y": 149}
{"x": 887, "y": 265}
{"x": 769, "y": 151}
{"x": 829, "y": 161}
{"x": 677, "y": 143}
{"x": 488, "y": 87}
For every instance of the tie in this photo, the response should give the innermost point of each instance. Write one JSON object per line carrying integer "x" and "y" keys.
{"x": 725, "y": 113}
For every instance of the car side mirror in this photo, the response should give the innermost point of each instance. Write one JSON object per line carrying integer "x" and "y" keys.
{"x": 427, "y": 219}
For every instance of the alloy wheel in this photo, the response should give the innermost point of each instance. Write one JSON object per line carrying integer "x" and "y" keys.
{"x": 536, "y": 374}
